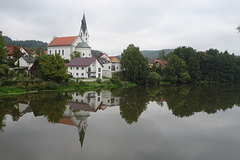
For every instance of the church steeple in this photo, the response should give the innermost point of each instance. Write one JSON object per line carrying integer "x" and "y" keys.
{"x": 83, "y": 30}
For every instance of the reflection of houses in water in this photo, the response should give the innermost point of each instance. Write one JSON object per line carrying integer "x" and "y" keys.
{"x": 79, "y": 108}
{"x": 23, "y": 108}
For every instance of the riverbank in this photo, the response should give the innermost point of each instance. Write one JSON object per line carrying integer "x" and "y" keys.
{"x": 21, "y": 88}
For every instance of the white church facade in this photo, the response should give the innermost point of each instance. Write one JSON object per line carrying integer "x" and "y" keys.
{"x": 67, "y": 45}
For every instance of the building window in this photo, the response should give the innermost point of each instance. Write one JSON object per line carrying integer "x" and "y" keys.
{"x": 77, "y": 68}
{"x": 71, "y": 68}
{"x": 99, "y": 75}
{"x": 98, "y": 99}
{"x": 62, "y": 52}
{"x": 82, "y": 74}
{"x": 55, "y": 51}
{"x": 99, "y": 69}
{"x": 49, "y": 51}
{"x": 59, "y": 51}
{"x": 77, "y": 74}
{"x": 109, "y": 67}
{"x": 82, "y": 68}
{"x": 83, "y": 54}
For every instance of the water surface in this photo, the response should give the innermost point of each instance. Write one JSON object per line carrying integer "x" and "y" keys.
{"x": 167, "y": 122}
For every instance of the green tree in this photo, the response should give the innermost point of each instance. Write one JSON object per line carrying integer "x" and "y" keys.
{"x": 52, "y": 68}
{"x": 2, "y": 49}
{"x": 154, "y": 78}
{"x": 134, "y": 65}
{"x": 39, "y": 51}
{"x": 176, "y": 70}
{"x": 75, "y": 54}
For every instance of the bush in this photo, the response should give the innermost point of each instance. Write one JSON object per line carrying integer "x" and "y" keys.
{"x": 49, "y": 85}
{"x": 116, "y": 80}
{"x": 99, "y": 81}
{"x": 154, "y": 78}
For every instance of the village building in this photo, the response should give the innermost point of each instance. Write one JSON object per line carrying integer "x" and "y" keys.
{"x": 85, "y": 68}
{"x": 88, "y": 65}
{"x": 67, "y": 45}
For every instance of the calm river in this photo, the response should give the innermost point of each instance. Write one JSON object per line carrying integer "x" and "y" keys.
{"x": 141, "y": 123}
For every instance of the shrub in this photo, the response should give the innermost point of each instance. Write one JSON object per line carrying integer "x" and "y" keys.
{"x": 154, "y": 78}
{"x": 50, "y": 85}
{"x": 116, "y": 80}
{"x": 99, "y": 81}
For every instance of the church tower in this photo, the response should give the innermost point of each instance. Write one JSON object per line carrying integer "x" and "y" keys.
{"x": 83, "y": 30}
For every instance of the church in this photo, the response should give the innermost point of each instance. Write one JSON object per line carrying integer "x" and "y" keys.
{"x": 67, "y": 45}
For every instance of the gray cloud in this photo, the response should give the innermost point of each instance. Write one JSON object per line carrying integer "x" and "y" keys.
{"x": 149, "y": 24}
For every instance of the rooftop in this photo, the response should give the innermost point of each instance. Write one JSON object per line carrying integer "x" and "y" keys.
{"x": 63, "y": 41}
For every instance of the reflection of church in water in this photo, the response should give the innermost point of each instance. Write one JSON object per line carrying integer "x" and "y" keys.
{"x": 79, "y": 108}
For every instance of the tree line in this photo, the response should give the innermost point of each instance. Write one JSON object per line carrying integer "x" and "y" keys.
{"x": 185, "y": 65}
{"x": 33, "y": 44}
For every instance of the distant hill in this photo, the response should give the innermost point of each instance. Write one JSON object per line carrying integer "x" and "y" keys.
{"x": 153, "y": 54}
{"x": 27, "y": 43}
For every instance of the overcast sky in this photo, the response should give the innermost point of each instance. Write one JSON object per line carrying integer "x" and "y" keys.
{"x": 114, "y": 24}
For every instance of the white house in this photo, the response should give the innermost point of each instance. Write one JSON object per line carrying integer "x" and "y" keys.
{"x": 111, "y": 65}
{"x": 67, "y": 45}
{"x": 85, "y": 68}
{"x": 25, "y": 62}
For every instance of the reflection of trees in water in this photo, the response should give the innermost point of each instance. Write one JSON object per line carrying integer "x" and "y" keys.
{"x": 51, "y": 105}
{"x": 185, "y": 100}
{"x": 182, "y": 100}
{"x": 133, "y": 102}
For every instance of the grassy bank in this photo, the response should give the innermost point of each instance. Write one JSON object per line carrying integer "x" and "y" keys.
{"x": 21, "y": 88}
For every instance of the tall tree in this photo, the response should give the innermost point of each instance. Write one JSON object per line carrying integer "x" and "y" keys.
{"x": 52, "y": 67}
{"x": 134, "y": 65}
{"x": 2, "y": 49}
{"x": 176, "y": 70}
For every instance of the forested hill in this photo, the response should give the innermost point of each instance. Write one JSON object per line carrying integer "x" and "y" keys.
{"x": 27, "y": 43}
{"x": 154, "y": 54}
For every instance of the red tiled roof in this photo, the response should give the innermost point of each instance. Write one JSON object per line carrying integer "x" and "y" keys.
{"x": 163, "y": 63}
{"x": 9, "y": 47}
{"x": 80, "y": 62}
{"x": 114, "y": 59}
{"x": 67, "y": 121}
{"x": 62, "y": 41}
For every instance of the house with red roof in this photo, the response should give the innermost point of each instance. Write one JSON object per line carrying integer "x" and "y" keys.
{"x": 67, "y": 45}
{"x": 88, "y": 67}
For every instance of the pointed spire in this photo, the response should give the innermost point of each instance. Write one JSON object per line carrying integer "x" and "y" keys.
{"x": 84, "y": 24}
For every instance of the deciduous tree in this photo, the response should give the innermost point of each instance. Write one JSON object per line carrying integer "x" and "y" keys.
{"x": 52, "y": 68}
{"x": 134, "y": 65}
